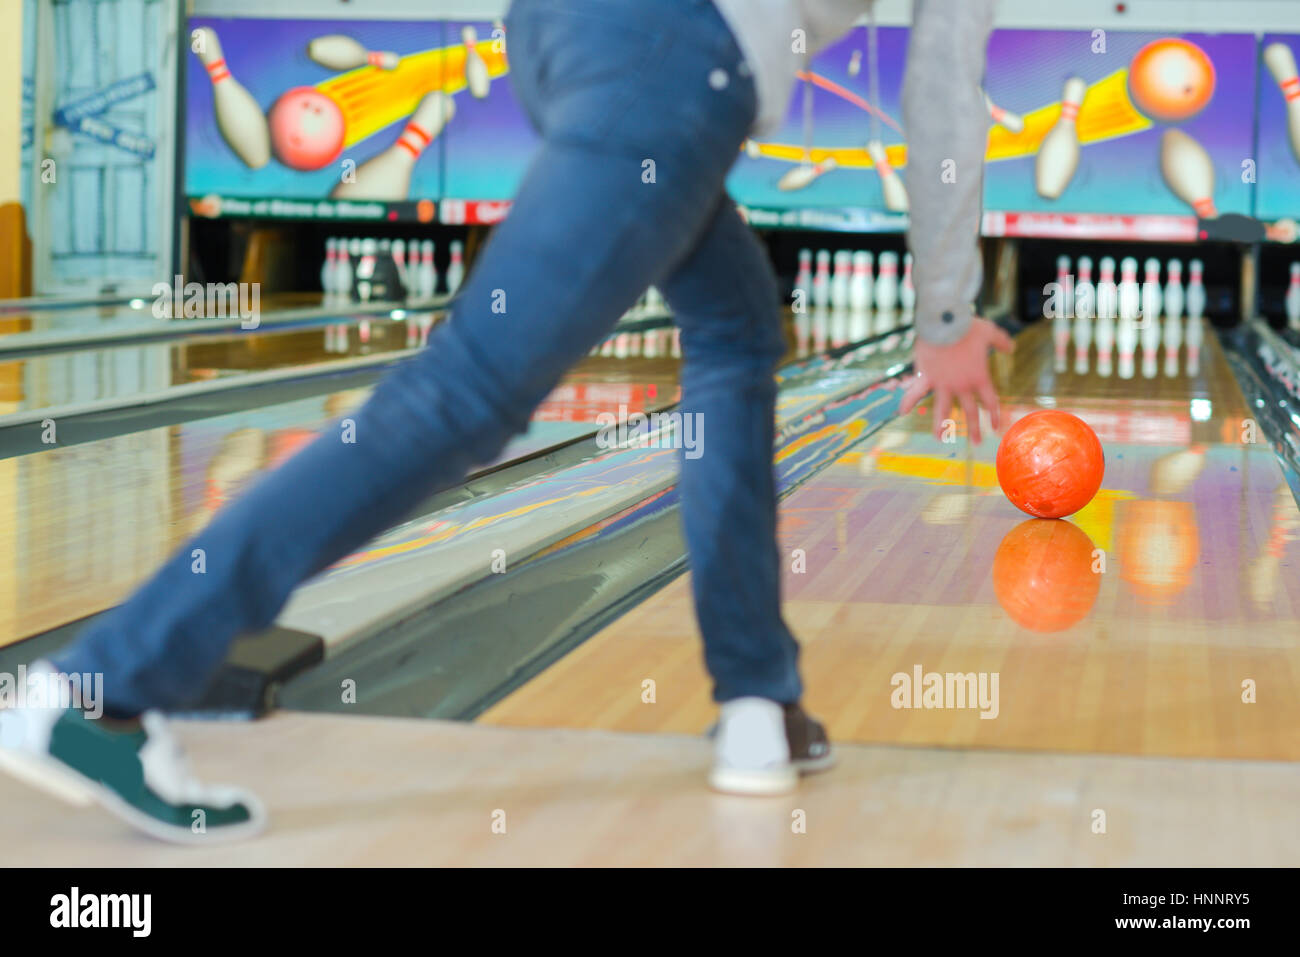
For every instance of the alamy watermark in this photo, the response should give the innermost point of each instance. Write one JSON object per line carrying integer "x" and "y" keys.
{"x": 51, "y": 689}
{"x": 213, "y": 300}
{"x": 658, "y": 430}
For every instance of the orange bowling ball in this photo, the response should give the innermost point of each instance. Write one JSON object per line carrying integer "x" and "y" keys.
{"x": 1050, "y": 464}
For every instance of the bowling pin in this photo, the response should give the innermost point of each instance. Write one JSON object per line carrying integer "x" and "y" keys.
{"x": 654, "y": 300}
{"x": 891, "y": 185}
{"x": 842, "y": 280}
{"x": 1004, "y": 118}
{"x": 1082, "y": 340}
{"x": 1293, "y": 298}
{"x": 1195, "y": 291}
{"x": 1130, "y": 295}
{"x": 1065, "y": 285}
{"x": 1058, "y": 154}
{"x": 1151, "y": 292}
{"x": 1173, "y": 336}
{"x": 1085, "y": 293}
{"x": 1281, "y": 63}
{"x": 802, "y": 293}
{"x": 329, "y": 269}
{"x": 456, "y": 269}
{"x": 1107, "y": 294}
{"x": 855, "y": 63}
{"x": 239, "y": 119}
{"x": 907, "y": 291}
{"x": 886, "y": 291}
{"x": 803, "y": 281}
{"x": 1061, "y": 342}
{"x": 366, "y": 268}
{"x": 387, "y": 176}
{"x": 804, "y": 174}
{"x": 399, "y": 260}
{"x": 1188, "y": 171}
{"x": 428, "y": 271}
{"x": 860, "y": 287}
{"x": 822, "y": 280}
{"x": 1174, "y": 289}
{"x": 343, "y": 272}
{"x": 1105, "y": 335}
{"x": 339, "y": 52}
{"x": 477, "y": 77}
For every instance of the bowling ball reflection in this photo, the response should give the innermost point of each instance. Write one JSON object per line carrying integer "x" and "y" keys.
{"x": 1158, "y": 545}
{"x": 1042, "y": 574}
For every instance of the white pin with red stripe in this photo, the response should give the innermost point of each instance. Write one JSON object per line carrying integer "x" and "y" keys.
{"x": 388, "y": 175}
{"x": 241, "y": 121}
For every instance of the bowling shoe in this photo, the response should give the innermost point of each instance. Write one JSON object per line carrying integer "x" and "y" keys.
{"x": 810, "y": 748}
{"x": 136, "y": 770}
{"x": 761, "y": 747}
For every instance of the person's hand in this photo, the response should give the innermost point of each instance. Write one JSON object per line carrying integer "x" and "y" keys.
{"x": 959, "y": 371}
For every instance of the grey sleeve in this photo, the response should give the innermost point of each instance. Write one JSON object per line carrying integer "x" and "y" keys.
{"x": 947, "y": 131}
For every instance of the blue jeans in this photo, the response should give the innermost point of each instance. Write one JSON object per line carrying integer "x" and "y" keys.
{"x": 642, "y": 106}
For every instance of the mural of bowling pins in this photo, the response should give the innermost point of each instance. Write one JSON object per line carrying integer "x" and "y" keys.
{"x": 1281, "y": 64}
{"x": 239, "y": 119}
{"x": 891, "y": 185}
{"x": 339, "y": 52}
{"x": 388, "y": 175}
{"x": 1058, "y": 154}
{"x": 805, "y": 174}
{"x": 1188, "y": 171}
{"x": 477, "y": 77}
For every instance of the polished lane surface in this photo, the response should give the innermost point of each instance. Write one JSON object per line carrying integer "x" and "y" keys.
{"x": 1160, "y": 620}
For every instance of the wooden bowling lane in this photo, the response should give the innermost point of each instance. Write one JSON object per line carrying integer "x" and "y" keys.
{"x": 84, "y": 524}
{"x": 906, "y": 555}
{"x": 427, "y": 793}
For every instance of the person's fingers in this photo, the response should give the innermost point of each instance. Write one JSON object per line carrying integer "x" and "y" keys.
{"x": 989, "y": 398}
{"x": 972, "y": 413}
{"x": 916, "y": 391}
{"x": 1000, "y": 340}
{"x": 942, "y": 410}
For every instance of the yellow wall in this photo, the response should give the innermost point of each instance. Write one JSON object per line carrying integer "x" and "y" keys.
{"x": 11, "y": 97}
{"x": 15, "y": 251}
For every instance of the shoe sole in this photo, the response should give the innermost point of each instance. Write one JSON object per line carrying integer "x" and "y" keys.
{"x": 815, "y": 765}
{"x": 754, "y": 783}
{"x": 66, "y": 783}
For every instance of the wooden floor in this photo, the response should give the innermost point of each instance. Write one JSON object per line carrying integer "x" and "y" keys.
{"x": 915, "y": 558}
{"x": 367, "y": 791}
{"x": 1120, "y": 689}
